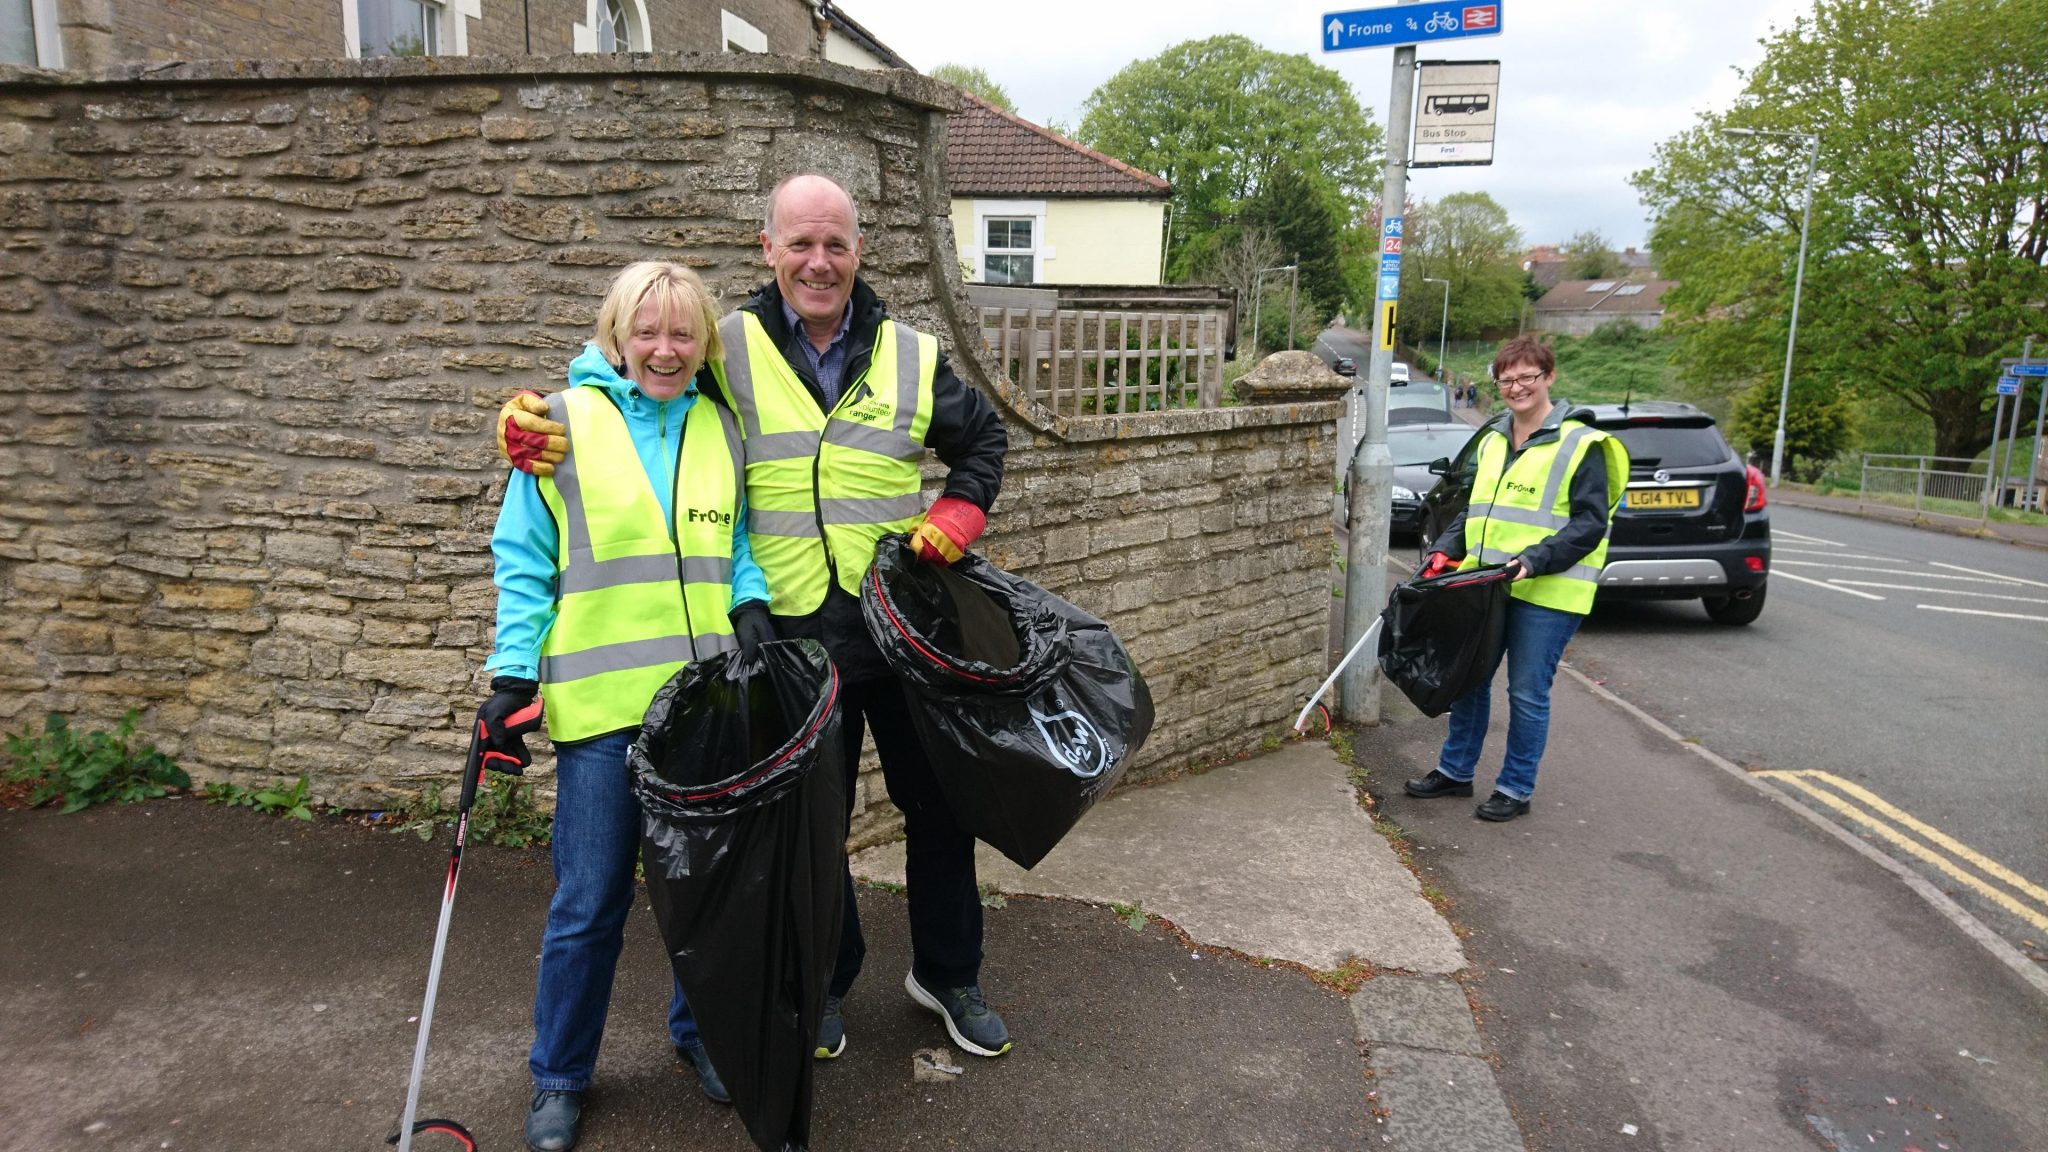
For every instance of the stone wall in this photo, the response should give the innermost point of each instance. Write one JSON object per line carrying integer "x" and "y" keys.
{"x": 256, "y": 319}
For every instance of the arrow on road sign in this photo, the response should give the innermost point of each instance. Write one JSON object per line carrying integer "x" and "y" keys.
{"x": 1335, "y": 29}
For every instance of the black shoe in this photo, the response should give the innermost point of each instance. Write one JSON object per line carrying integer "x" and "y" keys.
{"x": 552, "y": 1120}
{"x": 1437, "y": 784}
{"x": 973, "y": 1025}
{"x": 707, "y": 1076}
{"x": 1501, "y": 806}
{"x": 831, "y": 1031}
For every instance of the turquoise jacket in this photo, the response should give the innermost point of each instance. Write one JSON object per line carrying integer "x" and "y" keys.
{"x": 524, "y": 542}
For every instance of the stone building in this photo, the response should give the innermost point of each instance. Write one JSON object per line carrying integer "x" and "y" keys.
{"x": 88, "y": 35}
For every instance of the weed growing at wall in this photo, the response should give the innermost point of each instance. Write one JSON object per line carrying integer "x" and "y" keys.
{"x": 59, "y": 764}
{"x": 504, "y": 815}
{"x": 275, "y": 800}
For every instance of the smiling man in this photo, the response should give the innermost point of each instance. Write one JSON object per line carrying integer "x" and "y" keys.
{"x": 838, "y": 405}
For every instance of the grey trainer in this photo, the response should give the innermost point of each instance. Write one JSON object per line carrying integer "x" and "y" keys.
{"x": 973, "y": 1025}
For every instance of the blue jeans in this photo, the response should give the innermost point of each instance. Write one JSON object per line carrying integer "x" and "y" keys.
{"x": 1536, "y": 637}
{"x": 596, "y": 840}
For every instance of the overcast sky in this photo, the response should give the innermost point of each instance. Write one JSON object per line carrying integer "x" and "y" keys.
{"x": 1588, "y": 87}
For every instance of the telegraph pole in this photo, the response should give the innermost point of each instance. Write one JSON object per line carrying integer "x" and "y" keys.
{"x": 1369, "y": 489}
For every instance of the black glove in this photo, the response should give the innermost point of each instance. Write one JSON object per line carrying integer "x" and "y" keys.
{"x": 503, "y": 722}
{"x": 752, "y": 627}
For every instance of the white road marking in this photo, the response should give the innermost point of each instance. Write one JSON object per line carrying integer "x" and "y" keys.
{"x": 1981, "y": 612}
{"x": 1804, "y": 539}
{"x": 1940, "y": 591}
{"x": 1981, "y": 572}
{"x": 1777, "y": 551}
{"x": 1781, "y": 574}
{"x": 1892, "y": 572}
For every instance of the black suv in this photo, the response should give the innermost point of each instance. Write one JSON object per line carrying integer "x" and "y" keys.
{"x": 1691, "y": 527}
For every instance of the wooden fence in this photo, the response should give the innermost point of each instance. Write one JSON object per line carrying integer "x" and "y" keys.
{"x": 1095, "y": 361}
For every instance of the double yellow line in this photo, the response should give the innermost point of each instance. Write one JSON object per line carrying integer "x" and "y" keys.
{"x": 1887, "y": 821}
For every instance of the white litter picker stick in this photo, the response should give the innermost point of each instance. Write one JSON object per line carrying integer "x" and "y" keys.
{"x": 1371, "y": 634}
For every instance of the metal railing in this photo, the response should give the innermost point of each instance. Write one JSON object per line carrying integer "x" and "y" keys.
{"x": 1941, "y": 485}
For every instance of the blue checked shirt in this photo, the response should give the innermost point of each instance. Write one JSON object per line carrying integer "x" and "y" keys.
{"x": 828, "y": 366}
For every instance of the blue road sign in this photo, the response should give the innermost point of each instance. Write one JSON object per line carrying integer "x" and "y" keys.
{"x": 2029, "y": 369}
{"x": 2008, "y": 385}
{"x": 1408, "y": 24}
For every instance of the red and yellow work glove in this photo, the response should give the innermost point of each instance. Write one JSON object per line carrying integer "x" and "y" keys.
{"x": 527, "y": 439}
{"x": 947, "y": 531}
{"x": 1438, "y": 565}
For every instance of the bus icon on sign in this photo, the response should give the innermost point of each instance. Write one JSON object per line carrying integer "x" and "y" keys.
{"x": 1457, "y": 105}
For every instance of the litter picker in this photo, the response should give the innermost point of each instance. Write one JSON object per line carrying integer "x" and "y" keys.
{"x": 518, "y": 724}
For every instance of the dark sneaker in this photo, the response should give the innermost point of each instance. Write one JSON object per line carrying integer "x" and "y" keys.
{"x": 831, "y": 1031}
{"x": 1500, "y": 806}
{"x": 707, "y": 1076}
{"x": 1437, "y": 784}
{"x": 972, "y": 1024}
{"x": 552, "y": 1120}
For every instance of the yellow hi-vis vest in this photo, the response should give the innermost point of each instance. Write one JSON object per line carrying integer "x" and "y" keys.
{"x": 823, "y": 488}
{"x": 637, "y": 594}
{"x": 1533, "y": 500}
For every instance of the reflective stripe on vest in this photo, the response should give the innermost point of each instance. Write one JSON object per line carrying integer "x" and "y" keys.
{"x": 822, "y": 489}
{"x": 1531, "y": 501}
{"x": 637, "y": 596}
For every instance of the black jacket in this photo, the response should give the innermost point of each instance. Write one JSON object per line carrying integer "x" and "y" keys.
{"x": 966, "y": 434}
{"x": 1588, "y": 523}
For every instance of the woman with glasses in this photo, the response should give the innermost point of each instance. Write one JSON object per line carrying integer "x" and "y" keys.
{"x": 1547, "y": 482}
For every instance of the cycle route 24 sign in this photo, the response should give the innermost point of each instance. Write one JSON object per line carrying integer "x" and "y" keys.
{"x": 1408, "y": 24}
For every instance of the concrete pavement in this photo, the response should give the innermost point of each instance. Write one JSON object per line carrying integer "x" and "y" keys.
{"x": 178, "y": 975}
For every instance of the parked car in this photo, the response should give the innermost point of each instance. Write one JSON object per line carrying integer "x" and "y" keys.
{"x": 1414, "y": 448}
{"x": 1692, "y": 526}
{"x": 1344, "y": 366}
{"x": 1423, "y": 401}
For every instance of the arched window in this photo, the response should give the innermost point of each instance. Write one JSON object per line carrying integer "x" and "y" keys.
{"x": 614, "y": 31}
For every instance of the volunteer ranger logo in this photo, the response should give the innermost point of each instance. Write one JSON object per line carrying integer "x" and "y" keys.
{"x": 1073, "y": 740}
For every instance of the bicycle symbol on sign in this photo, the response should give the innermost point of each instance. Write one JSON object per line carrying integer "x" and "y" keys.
{"x": 1441, "y": 22}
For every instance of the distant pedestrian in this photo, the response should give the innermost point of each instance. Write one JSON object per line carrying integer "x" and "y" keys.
{"x": 1547, "y": 484}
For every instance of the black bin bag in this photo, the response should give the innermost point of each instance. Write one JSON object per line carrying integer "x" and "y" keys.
{"x": 738, "y": 771}
{"x": 1028, "y": 707}
{"x": 1440, "y": 637}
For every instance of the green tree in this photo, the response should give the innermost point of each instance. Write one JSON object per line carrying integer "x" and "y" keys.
{"x": 1819, "y": 425}
{"x": 976, "y": 81}
{"x": 1589, "y": 256}
{"x": 1217, "y": 118}
{"x": 1305, "y": 218}
{"x": 1467, "y": 239}
{"x": 1930, "y": 211}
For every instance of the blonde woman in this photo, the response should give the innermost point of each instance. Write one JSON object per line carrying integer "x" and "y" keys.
{"x": 625, "y": 562}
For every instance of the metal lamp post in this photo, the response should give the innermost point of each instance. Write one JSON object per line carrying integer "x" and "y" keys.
{"x": 1798, "y": 282}
{"x": 1258, "y": 292}
{"x": 1443, "y": 328}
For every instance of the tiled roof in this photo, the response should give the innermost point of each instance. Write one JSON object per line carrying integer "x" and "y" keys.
{"x": 992, "y": 153}
{"x": 1619, "y": 296}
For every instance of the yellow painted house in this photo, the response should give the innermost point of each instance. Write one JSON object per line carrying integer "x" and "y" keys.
{"x": 1033, "y": 207}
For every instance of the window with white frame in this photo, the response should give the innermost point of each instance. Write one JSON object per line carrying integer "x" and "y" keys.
{"x": 741, "y": 36}
{"x": 399, "y": 28}
{"x": 614, "y": 31}
{"x": 28, "y": 34}
{"x": 1008, "y": 250}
